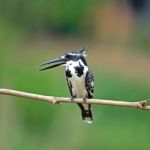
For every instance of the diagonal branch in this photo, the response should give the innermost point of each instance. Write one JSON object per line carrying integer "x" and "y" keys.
{"x": 55, "y": 100}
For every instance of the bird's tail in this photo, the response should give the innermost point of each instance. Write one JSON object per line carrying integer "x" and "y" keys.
{"x": 87, "y": 116}
{"x": 86, "y": 112}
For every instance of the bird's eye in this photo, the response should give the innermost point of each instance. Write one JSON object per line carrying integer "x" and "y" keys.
{"x": 68, "y": 56}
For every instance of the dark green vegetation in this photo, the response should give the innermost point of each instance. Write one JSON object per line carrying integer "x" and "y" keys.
{"x": 65, "y": 16}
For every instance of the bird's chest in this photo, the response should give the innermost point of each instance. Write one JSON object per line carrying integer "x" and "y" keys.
{"x": 77, "y": 79}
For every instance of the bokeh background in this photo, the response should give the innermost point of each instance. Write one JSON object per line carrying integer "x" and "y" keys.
{"x": 117, "y": 35}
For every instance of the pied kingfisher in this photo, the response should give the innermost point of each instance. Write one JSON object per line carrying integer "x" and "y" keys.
{"x": 79, "y": 78}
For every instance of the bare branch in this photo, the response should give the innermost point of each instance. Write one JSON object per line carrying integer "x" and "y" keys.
{"x": 55, "y": 100}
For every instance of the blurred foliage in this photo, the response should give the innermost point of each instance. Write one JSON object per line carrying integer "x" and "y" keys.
{"x": 61, "y": 16}
{"x": 35, "y": 125}
{"x": 30, "y": 125}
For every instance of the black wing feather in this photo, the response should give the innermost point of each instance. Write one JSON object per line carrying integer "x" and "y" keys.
{"x": 89, "y": 83}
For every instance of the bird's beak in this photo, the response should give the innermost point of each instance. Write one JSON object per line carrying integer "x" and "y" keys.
{"x": 52, "y": 63}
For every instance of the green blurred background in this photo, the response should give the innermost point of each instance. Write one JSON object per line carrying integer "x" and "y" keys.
{"x": 117, "y": 36}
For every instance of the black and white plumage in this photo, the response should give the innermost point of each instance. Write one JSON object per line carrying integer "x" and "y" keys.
{"x": 79, "y": 78}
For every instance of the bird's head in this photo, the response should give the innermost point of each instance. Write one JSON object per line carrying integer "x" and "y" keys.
{"x": 65, "y": 60}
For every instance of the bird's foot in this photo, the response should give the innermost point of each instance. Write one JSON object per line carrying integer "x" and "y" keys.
{"x": 84, "y": 100}
{"x": 72, "y": 98}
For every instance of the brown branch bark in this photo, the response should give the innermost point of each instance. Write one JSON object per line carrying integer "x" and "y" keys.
{"x": 55, "y": 100}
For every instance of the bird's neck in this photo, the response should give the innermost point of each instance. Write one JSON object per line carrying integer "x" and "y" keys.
{"x": 77, "y": 68}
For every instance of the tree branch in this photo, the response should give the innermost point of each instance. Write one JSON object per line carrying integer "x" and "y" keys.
{"x": 56, "y": 100}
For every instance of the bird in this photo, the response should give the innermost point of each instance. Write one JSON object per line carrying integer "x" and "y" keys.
{"x": 79, "y": 78}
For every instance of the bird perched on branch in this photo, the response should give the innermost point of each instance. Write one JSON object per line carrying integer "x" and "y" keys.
{"x": 79, "y": 78}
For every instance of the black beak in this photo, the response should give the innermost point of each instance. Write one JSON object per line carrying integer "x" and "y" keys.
{"x": 51, "y": 64}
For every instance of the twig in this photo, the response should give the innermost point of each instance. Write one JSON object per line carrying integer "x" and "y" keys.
{"x": 55, "y": 100}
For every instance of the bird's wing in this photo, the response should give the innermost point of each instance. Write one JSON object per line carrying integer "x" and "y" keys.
{"x": 70, "y": 86}
{"x": 89, "y": 83}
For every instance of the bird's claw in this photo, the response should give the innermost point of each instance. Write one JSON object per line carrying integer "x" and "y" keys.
{"x": 84, "y": 100}
{"x": 72, "y": 98}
